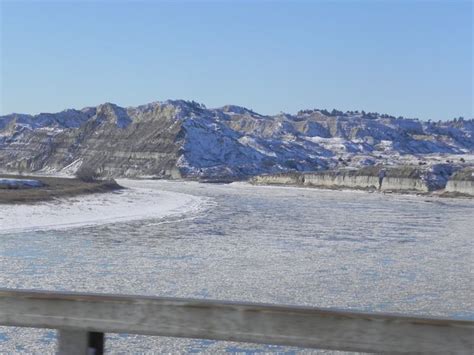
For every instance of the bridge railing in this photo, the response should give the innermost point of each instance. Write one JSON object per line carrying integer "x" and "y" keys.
{"x": 83, "y": 318}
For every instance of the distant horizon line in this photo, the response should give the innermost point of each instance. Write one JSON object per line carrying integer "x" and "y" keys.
{"x": 322, "y": 110}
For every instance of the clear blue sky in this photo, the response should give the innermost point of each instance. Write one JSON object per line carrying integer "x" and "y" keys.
{"x": 410, "y": 58}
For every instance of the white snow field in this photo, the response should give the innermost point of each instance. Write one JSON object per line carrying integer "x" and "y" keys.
{"x": 132, "y": 203}
{"x": 237, "y": 242}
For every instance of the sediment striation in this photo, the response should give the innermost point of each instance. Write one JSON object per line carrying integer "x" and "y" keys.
{"x": 462, "y": 182}
{"x": 397, "y": 179}
{"x": 182, "y": 139}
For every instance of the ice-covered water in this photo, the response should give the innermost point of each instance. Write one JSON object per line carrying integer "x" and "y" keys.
{"x": 351, "y": 250}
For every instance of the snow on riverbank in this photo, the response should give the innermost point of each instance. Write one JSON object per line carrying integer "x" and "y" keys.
{"x": 138, "y": 201}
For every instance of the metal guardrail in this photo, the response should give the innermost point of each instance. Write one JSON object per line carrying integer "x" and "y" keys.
{"x": 82, "y": 319}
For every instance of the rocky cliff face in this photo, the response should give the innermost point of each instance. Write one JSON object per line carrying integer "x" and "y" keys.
{"x": 185, "y": 139}
{"x": 396, "y": 178}
{"x": 462, "y": 182}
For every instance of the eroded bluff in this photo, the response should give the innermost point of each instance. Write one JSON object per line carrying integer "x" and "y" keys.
{"x": 175, "y": 139}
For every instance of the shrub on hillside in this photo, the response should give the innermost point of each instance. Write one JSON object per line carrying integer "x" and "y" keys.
{"x": 87, "y": 174}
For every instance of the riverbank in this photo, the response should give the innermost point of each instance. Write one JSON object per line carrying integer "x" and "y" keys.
{"x": 136, "y": 201}
{"x": 437, "y": 180}
{"x": 50, "y": 188}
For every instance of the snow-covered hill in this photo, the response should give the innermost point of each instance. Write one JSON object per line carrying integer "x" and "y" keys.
{"x": 185, "y": 139}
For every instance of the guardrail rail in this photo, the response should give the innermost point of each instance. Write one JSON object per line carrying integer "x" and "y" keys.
{"x": 83, "y": 318}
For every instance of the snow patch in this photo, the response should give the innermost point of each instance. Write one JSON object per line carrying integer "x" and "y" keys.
{"x": 133, "y": 203}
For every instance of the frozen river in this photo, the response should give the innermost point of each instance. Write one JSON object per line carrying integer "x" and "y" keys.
{"x": 351, "y": 250}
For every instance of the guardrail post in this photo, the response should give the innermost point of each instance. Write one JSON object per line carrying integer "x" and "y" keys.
{"x": 96, "y": 343}
{"x": 77, "y": 342}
